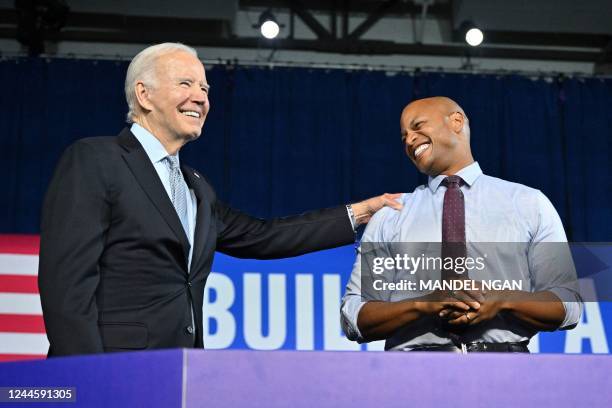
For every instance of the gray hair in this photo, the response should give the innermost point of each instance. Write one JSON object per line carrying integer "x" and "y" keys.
{"x": 142, "y": 68}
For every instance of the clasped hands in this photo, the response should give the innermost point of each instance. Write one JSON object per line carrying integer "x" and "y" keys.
{"x": 466, "y": 307}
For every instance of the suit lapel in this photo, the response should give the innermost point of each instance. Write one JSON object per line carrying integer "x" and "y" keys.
{"x": 144, "y": 172}
{"x": 195, "y": 181}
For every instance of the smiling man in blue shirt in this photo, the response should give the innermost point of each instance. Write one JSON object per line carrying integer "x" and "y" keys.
{"x": 466, "y": 209}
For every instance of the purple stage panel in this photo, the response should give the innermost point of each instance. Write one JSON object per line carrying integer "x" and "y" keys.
{"x": 396, "y": 379}
{"x": 198, "y": 378}
{"x": 136, "y": 379}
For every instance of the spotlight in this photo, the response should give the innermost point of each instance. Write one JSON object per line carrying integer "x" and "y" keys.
{"x": 474, "y": 37}
{"x": 267, "y": 25}
{"x": 472, "y": 34}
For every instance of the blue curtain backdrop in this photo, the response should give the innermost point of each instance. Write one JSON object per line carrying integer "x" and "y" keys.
{"x": 280, "y": 141}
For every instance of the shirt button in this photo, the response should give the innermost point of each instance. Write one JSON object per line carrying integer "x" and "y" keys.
{"x": 189, "y": 329}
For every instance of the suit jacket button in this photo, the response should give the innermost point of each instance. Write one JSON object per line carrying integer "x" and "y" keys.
{"x": 189, "y": 284}
{"x": 189, "y": 329}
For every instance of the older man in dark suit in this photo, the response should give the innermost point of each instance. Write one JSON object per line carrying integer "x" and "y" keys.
{"x": 128, "y": 233}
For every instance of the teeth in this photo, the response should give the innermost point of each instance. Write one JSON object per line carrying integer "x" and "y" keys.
{"x": 420, "y": 149}
{"x": 191, "y": 113}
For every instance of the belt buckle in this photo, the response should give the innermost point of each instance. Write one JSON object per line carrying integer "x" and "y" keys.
{"x": 463, "y": 348}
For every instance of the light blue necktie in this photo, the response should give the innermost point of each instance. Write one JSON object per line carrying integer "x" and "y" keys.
{"x": 178, "y": 191}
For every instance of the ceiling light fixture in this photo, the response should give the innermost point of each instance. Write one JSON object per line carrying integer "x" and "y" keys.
{"x": 268, "y": 26}
{"x": 471, "y": 33}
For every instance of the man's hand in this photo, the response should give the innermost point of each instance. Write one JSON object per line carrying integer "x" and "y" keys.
{"x": 440, "y": 301}
{"x": 493, "y": 304}
{"x": 364, "y": 210}
{"x": 379, "y": 320}
{"x": 542, "y": 310}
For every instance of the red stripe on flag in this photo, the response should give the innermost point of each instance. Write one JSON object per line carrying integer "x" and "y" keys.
{"x": 19, "y": 244}
{"x": 19, "y": 357}
{"x": 18, "y": 283}
{"x": 15, "y": 323}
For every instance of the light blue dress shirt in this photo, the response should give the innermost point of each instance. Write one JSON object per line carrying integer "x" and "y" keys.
{"x": 496, "y": 211}
{"x": 156, "y": 153}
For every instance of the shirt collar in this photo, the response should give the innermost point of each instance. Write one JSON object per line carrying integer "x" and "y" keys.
{"x": 152, "y": 146}
{"x": 469, "y": 174}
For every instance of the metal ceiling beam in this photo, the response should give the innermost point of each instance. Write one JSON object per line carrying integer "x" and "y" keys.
{"x": 372, "y": 19}
{"x": 345, "y": 18}
{"x": 544, "y": 38}
{"x": 92, "y": 27}
{"x": 124, "y": 23}
{"x": 440, "y": 10}
{"x": 368, "y": 47}
{"x": 298, "y": 8}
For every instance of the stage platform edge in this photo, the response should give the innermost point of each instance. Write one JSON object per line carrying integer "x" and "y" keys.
{"x": 236, "y": 378}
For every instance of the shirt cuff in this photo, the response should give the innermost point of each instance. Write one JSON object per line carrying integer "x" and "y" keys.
{"x": 351, "y": 216}
{"x": 348, "y": 315}
{"x": 572, "y": 305}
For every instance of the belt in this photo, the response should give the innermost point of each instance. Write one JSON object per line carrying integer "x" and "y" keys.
{"x": 478, "y": 347}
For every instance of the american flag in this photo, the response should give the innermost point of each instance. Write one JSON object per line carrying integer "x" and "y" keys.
{"x": 22, "y": 330}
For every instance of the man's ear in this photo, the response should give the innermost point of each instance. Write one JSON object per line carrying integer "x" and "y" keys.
{"x": 457, "y": 120}
{"x": 143, "y": 94}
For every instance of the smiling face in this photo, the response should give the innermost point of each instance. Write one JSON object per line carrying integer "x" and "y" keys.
{"x": 176, "y": 105}
{"x": 435, "y": 137}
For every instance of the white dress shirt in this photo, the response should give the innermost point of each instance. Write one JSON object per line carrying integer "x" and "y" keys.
{"x": 496, "y": 211}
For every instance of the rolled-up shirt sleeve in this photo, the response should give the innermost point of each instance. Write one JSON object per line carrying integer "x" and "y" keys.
{"x": 572, "y": 304}
{"x": 551, "y": 264}
{"x": 352, "y": 302}
{"x": 353, "y": 299}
